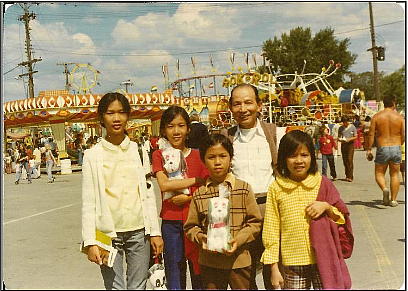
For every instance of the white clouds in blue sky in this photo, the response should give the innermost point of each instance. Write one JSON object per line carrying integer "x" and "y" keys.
{"x": 133, "y": 40}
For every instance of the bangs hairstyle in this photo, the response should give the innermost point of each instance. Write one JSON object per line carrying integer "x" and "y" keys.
{"x": 288, "y": 146}
{"x": 107, "y": 99}
{"x": 169, "y": 114}
{"x": 244, "y": 85}
{"x": 214, "y": 139}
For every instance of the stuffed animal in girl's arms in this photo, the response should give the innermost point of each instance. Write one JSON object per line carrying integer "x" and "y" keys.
{"x": 174, "y": 164}
{"x": 157, "y": 276}
{"x": 218, "y": 233}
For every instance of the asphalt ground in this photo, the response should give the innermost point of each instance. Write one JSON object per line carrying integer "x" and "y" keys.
{"x": 41, "y": 233}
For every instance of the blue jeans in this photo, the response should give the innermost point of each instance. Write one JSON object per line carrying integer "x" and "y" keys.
{"x": 330, "y": 159}
{"x": 80, "y": 157}
{"x": 49, "y": 164}
{"x": 26, "y": 167}
{"x": 174, "y": 259}
{"x": 136, "y": 247}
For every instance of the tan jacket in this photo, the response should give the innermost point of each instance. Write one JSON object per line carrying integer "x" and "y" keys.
{"x": 245, "y": 222}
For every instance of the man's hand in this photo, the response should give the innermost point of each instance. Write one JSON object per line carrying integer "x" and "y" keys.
{"x": 94, "y": 255}
{"x": 315, "y": 209}
{"x": 180, "y": 199}
{"x": 157, "y": 245}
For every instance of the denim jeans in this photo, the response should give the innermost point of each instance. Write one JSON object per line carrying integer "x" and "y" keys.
{"x": 26, "y": 167}
{"x": 174, "y": 259}
{"x": 330, "y": 159}
{"x": 49, "y": 164}
{"x": 135, "y": 245}
{"x": 80, "y": 157}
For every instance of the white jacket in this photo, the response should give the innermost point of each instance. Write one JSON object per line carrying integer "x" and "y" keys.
{"x": 95, "y": 209}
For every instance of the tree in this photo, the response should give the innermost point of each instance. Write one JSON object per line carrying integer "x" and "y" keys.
{"x": 287, "y": 54}
{"x": 394, "y": 84}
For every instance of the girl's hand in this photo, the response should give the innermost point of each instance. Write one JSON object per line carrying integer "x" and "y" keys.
{"x": 94, "y": 255}
{"x": 180, "y": 199}
{"x": 157, "y": 245}
{"x": 315, "y": 209}
{"x": 277, "y": 279}
{"x": 199, "y": 181}
{"x": 234, "y": 246}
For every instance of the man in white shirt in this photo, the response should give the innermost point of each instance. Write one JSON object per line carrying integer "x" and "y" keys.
{"x": 255, "y": 157}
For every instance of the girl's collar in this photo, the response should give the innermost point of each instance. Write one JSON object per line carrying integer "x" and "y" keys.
{"x": 310, "y": 182}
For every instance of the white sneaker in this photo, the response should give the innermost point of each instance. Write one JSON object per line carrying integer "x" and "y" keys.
{"x": 393, "y": 203}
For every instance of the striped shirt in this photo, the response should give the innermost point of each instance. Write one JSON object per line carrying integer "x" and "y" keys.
{"x": 285, "y": 215}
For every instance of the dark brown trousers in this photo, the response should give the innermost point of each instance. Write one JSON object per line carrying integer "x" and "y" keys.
{"x": 219, "y": 279}
{"x": 347, "y": 153}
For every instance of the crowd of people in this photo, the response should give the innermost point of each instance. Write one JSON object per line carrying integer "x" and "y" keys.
{"x": 283, "y": 213}
{"x": 26, "y": 158}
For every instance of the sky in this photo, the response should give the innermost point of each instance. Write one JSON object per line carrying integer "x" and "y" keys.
{"x": 132, "y": 40}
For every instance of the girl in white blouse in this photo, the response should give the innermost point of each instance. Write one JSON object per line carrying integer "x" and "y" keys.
{"x": 116, "y": 201}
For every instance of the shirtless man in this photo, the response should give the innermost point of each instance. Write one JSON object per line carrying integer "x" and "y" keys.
{"x": 388, "y": 126}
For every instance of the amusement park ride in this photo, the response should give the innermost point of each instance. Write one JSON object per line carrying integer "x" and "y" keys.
{"x": 288, "y": 99}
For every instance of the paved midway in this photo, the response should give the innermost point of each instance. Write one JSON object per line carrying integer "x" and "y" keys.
{"x": 42, "y": 232}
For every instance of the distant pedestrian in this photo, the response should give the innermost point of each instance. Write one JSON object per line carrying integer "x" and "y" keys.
{"x": 37, "y": 163}
{"x": 303, "y": 212}
{"x": 198, "y": 132}
{"x": 327, "y": 144}
{"x": 366, "y": 130}
{"x": 233, "y": 266}
{"x": 22, "y": 163}
{"x": 335, "y": 134}
{"x": 388, "y": 127}
{"x": 49, "y": 162}
{"x": 347, "y": 135}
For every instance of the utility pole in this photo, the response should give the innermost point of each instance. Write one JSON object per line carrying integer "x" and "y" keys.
{"x": 26, "y": 18}
{"x": 127, "y": 83}
{"x": 373, "y": 50}
{"x": 66, "y": 72}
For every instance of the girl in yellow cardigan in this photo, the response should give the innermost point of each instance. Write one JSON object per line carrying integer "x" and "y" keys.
{"x": 291, "y": 205}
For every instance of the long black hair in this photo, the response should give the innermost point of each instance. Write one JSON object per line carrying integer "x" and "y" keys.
{"x": 289, "y": 144}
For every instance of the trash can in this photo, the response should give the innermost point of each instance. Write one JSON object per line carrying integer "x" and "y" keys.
{"x": 66, "y": 166}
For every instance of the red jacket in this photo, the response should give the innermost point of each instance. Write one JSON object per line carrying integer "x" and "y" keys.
{"x": 326, "y": 148}
{"x": 324, "y": 237}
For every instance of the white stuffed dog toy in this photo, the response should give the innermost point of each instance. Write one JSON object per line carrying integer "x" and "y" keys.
{"x": 218, "y": 234}
{"x": 174, "y": 164}
{"x": 157, "y": 277}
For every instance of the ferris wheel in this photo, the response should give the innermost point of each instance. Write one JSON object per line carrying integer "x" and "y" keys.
{"x": 83, "y": 78}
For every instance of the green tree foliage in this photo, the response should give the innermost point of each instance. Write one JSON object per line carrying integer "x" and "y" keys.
{"x": 287, "y": 54}
{"x": 394, "y": 84}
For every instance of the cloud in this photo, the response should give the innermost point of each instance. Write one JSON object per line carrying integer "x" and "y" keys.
{"x": 188, "y": 24}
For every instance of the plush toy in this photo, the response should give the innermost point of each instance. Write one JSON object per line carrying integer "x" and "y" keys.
{"x": 157, "y": 277}
{"x": 218, "y": 233}
{"x": 174, "y": 164}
